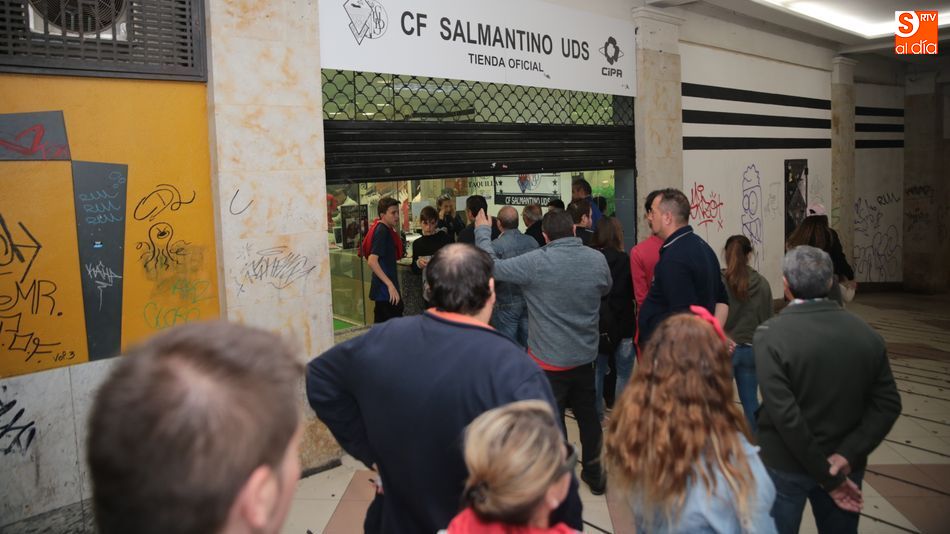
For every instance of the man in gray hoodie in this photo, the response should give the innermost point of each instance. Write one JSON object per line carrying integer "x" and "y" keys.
{"x": 563, "y": 283}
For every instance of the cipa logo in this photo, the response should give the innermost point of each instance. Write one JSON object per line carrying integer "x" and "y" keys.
{"x": 916, "y": 32}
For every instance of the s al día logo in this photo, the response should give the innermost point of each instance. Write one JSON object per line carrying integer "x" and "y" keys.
{"x": 612, "y": 54}
{"x": 367, "y": 19}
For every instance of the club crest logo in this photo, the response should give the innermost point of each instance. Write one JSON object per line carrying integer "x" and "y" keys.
{"x": 368, "y": 19}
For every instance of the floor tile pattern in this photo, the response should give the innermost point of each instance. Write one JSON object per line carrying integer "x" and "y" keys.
{"x": 906, "y": 486}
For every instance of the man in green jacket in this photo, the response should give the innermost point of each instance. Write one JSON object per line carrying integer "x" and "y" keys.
{"x": 829, "y": 398}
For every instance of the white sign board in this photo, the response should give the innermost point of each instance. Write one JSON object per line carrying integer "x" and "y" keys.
{"x": 528, "y": 42}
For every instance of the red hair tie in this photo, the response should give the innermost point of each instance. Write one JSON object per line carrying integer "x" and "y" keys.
{"x": 704, "y": 314}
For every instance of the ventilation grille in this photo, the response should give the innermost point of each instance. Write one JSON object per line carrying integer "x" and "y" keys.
{"x": 161, "y": 39}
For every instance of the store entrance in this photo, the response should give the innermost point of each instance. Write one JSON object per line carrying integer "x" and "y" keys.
{"x": 352, "y": 207}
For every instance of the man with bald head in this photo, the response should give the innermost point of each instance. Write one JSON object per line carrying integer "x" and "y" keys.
{"x": 511, "y": 313}
{"x": 400, "y": 396}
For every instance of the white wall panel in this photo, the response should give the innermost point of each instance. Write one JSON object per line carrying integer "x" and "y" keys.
{"x": 879, "y": 186}
{"x": 741, "y": 190}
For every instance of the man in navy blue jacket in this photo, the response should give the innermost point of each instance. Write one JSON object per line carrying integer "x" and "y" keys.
{"x": 400, "y": 396}
{"x": 688, "y": 271}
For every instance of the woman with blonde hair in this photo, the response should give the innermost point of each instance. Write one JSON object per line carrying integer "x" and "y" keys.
{"x": 677, "y": 445}
{"x": 519, "y": 472}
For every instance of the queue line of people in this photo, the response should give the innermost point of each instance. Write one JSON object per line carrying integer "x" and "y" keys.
{"x": 465, "y": 427}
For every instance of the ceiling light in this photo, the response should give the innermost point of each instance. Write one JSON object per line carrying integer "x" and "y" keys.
{"x": 844, "y": 20}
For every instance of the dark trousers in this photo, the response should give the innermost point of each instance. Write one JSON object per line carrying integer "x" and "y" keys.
{"x": 385, "y": 311}
{"x": 574, "y": 389}
{"x": 791, "y": 492}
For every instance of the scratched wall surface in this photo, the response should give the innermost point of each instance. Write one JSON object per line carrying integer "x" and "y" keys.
{"x": 268, "y": 161}
{"x": 740, "y": 189}
{"x": 157, "y": 134}
{"x": 879, "y": 184}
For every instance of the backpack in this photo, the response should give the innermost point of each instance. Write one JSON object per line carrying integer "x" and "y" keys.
{"x": 366, "y": 247}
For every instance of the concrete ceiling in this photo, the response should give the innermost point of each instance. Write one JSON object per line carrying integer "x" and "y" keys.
{"x": 851, "y": 26}
{"x": 866, "y": 18}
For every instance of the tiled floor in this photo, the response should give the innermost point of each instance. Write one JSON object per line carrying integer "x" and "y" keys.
{"x": 907, "y": 485}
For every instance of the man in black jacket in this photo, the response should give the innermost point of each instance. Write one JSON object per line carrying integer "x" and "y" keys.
{"x": 473, "y": 205}
{"x": 688, "y": 270}
{"x": 532, "y": 222}
{"x": 400, "y": 396}
{"x": 828, "y": 398}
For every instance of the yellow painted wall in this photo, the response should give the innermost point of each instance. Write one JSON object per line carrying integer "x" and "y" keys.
{"x": 160, "y": 130}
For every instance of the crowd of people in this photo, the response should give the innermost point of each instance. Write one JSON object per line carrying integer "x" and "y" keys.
{"x": 461, "y": 410}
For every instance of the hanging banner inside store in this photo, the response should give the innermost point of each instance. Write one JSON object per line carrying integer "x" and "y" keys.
{"x": 529, "y": 42}
{"x": 524, "y": 189}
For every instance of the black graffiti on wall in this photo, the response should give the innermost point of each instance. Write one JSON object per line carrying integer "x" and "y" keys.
{"x": 15, "y": 431}
{"x": 22, "y": 249}
{"x": 164, "y": 196}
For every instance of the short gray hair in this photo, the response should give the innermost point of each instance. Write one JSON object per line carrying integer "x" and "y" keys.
{"x": 532, "y": 212}
{"x": 809, "y": 272}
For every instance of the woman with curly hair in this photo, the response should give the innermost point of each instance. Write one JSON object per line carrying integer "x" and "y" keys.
{"x": 519, "y": 472}
{"x": 677, "y": 444}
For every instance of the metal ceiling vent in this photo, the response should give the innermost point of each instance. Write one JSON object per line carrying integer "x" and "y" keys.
{"x": 83, "y": 19}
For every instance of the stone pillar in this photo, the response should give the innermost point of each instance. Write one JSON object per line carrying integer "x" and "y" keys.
{"x": 926, "y": 190}
{"x": 268, "y": 174}
{"x": 842, "y": 151}
{"x": 658, "y": 110}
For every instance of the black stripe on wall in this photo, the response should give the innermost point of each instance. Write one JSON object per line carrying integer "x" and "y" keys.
{"x": 879, "y": 143}
{"x": 756, "y": 97}
{"x": 751, "y": 143}
{"x": 878, "y": 112}
{"x": 749, "y": 119}
{"x": 875, "y": 127}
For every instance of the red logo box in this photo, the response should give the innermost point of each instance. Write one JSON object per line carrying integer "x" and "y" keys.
{"x": 916, "y": 32}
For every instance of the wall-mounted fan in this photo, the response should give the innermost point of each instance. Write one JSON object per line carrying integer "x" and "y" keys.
{"x": 87, "y": 19}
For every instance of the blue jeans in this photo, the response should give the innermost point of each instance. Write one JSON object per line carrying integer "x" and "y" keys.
{"x": 743, "y": 368}
{"x": 791, "y": 491}
{"x": 623, "y": 361}
{"x": 512, "y": 321}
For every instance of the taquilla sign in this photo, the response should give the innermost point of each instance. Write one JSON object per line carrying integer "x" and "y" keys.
{"x": 523, "y": 42}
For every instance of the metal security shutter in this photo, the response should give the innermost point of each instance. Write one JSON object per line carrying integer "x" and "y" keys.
{"x": 153, "y": 39}
{"x": 390, "y": 126}
{"x": 398, "y": 150}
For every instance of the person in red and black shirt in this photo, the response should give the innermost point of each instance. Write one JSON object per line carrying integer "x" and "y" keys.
{"x": 385, "y": 249}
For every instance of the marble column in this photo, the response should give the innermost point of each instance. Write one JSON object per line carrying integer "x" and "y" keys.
{"x": 268, "y": 174}
{"x": 842, "y": 151}
{"x": 926, "y": 186}
{"x": 658, "y": 109}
